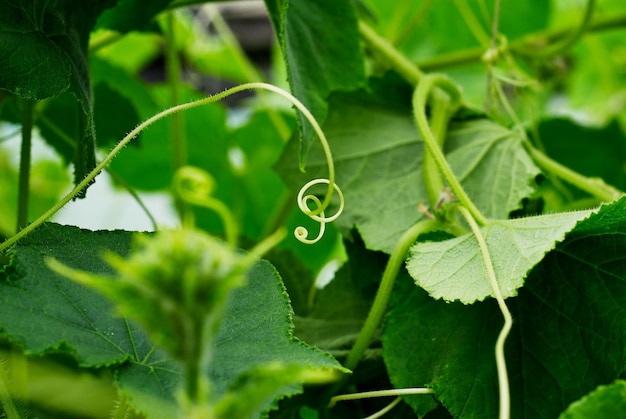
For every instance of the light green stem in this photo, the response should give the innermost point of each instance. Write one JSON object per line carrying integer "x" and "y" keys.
{"x": 132, "y": 134}
{"x": 503, "y": 378}
{"x": 440, "y": 116}
{"x": 390, "y": 54}
{"x": 419, "y": 108}
{"x": 594, "y": 186}
{"x": 25, "y": 163}
{"x": 380, "y": 393}
{"x": 379, "y": 305}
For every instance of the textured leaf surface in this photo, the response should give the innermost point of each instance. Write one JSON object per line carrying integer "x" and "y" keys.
{"x": 377, "y": 153}
{"x": 445, "y": 346}
{"x": 568, "y": 336}
{"x": 308, "y": 31}
{"x": 455, "y": 270}
{"x": 43, "y": 52}
{"x": 44, "y": 312}
{"x": 338, "y": 311}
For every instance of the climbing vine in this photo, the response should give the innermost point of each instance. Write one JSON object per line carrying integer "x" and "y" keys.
{"x": 452, "y": 174}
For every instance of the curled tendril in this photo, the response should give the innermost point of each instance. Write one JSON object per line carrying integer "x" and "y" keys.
{"x": 195, "y": 186}
{"x": 316, "y": 214}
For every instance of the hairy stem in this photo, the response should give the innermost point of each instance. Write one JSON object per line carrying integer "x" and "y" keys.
{"x": 390, "y": 54}
{"x": 132, "y": 134}
{"x": 594, "y": 186}
{"x": 252, "y": 74}
{"x": 419, "y": 108}
{"x": 441, "y": 111}
{"x": 379, "y": 306}
{"x": 503, "y": 378}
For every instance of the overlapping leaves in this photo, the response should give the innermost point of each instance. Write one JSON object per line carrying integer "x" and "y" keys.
{"x": 45, "y": 312}
{"x": 378, "y": 159}
{"x": 568, "y": 338}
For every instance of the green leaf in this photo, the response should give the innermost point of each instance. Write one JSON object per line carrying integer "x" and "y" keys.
{"x": 337, "y": 312}
{"x": 47, "y": 313}
{"x": 307, "y": 31}
{"x": 455, "y": 270}
{"x": 605, "y": 402}
{"x": 260, "y": 312}
{"x": 56, "y": 34}
{"x": 378, "y": 160}
{"x": 43, "y": 311}
{"x": 568, "y": 336}
{"x": 445, "y": 346}
{"x": 33, "y": 66}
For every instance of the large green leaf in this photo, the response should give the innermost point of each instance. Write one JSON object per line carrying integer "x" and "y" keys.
{"x": 337, "y": 312}
{"x": 569, "y": 330}
{"x": 44, "y": 312}
{"x": 445, "y": 346}
{"x": 378, "y": 160}
{"x": 311, "y": 30}
{"x": 455, "y": 270}
{"x": 44, "y": 53}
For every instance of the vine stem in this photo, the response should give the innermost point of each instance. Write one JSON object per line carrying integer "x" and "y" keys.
{"x": 25, "y": 163}
{"x": 380, "y": 393}
{"x": 594, "y": 186}
{"x": 419, "y": 108}
{"x": 441, "y": 110}
{"x": 379, "y": 305}
{"x": 503, "y": 379}
{"x": 210, "y": 99}
{"x": 401, "y": 64}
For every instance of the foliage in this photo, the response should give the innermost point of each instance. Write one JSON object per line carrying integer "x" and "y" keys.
{"x": 464, "y": 193}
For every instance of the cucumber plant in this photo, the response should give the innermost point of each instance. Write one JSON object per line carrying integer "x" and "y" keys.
{"x": 462, "y": 162}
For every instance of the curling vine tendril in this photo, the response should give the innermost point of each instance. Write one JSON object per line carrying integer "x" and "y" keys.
{"x": 316, "y": 214}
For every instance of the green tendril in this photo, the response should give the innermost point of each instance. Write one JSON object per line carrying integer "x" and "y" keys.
{"x": 420, "y": 98}
{"x": 303, "y": 200}
{"x": 210, "y": 99}
{"x": 195, "y": 186}
{"x": 380, "y": 393}
{"x": 503, "y": 379}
